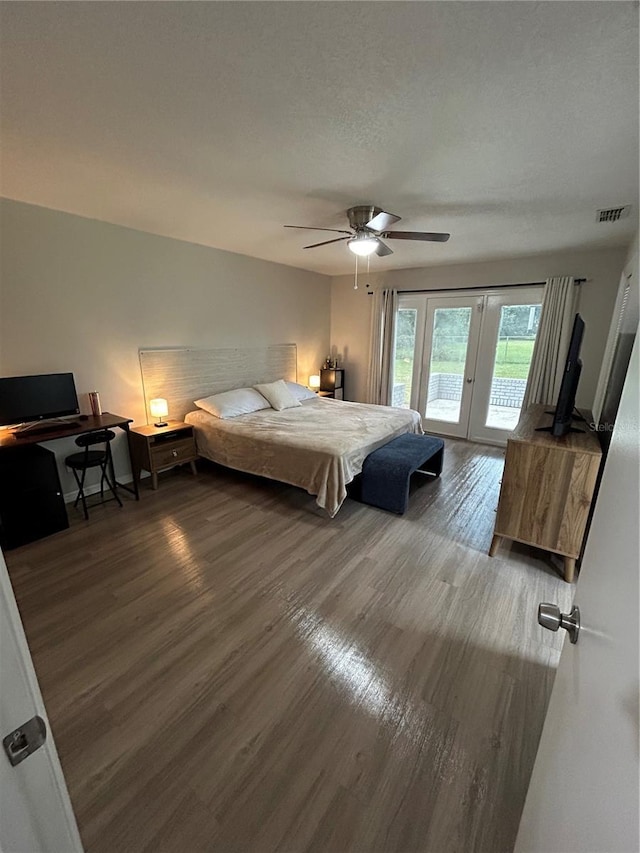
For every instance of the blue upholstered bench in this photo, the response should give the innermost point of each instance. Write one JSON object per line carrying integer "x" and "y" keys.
{"x": 387, "y": 471}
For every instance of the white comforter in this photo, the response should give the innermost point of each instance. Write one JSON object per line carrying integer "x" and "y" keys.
{"x": 319, "y": 446}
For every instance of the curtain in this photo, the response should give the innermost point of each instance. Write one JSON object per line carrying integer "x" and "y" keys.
{"x": 381, "y": 346}
{"x": 552, "y": 341}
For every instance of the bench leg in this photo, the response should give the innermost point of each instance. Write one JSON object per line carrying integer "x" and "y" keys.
{"x": 436, "y": 462}
{"x": 392, "y": 496}
{"x": 433, "y": 465}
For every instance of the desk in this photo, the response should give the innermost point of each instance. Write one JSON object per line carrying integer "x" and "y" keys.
{"x": 31, "y": 503}
{"x": 94, "y": 422}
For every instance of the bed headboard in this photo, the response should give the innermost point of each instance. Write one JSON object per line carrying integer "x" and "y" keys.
{"x": 182, "y": 375}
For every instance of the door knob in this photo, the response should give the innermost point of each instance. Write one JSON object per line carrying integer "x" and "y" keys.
{"x": 549, "y": 616}
{"x": 469, "y": 379}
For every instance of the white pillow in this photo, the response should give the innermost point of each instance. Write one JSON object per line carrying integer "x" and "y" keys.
{"x": 230, "y": 404}
{"x": 278, "y": 395}
{"x": 299, "y": 391}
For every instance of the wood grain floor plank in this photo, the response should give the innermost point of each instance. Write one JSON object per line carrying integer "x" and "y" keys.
{"x": 227, "y": 669}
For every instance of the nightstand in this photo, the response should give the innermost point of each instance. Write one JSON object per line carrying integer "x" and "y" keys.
{"x": 332, "y": 382}
{"x": 155, "y": 449}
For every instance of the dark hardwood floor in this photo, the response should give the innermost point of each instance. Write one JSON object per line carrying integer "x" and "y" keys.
{"x": 225, "y": 668}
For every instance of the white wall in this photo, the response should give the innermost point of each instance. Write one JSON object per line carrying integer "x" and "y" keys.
{"x": 351, "y": 309}
{"x": 83, "y": 296}
{"x": 632, "y": 268}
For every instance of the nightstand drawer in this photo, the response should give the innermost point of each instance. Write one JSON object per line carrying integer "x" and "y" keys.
{"x": 169, "y": 437}
{"x": 172, "y": 453}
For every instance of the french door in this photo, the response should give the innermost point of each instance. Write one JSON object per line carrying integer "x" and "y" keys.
{"x": 449, "y": 356}
{"x": 462, "y": 361}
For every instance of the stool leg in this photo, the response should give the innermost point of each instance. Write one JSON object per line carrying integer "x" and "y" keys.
{"x": 81, "y": 495}
{"x": 77, "y": 479}
{"x": 103, "y": 470}
{"x": 112, "y": 471}
{"x": 111, "y": 485}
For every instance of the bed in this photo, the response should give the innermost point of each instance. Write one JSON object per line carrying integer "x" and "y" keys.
{"x": 319, "y": 446}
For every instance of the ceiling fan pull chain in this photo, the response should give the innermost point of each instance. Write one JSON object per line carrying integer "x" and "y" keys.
{"x": 355, "y": 284}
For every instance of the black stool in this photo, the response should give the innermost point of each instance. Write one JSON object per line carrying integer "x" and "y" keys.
{"x": 81, "y": 462}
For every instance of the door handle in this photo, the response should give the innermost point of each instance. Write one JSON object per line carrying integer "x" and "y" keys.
{"x": 550, "y": 617}
{"x": 469, "y": 379}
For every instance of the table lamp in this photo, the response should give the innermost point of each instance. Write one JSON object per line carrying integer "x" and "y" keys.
{"x": 159, "y": 409}
{"x": 314, "y": 381}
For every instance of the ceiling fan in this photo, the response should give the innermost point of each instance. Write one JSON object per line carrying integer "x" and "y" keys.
{"x": 369, "y": 225}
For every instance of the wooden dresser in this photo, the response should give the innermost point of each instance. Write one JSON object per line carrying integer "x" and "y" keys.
{"x": 547, "y": 488}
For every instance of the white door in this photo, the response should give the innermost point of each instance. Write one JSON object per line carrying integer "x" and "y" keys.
{"x": 35, "y": 810}
{"x": 509, "y": 327}
{"x": 450, "y": 348}
{"x": 584, "y": 792}
{"x": 462, "y": 361}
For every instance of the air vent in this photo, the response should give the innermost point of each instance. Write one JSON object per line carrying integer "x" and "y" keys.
{"x": 612, "y": 214}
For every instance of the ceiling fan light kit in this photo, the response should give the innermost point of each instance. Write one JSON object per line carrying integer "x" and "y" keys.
{"x": 368, "y": 224}
{"x": 363, "y": 244}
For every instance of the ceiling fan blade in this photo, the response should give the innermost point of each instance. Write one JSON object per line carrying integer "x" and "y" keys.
{"x": 382, "y": 221}
{"x": 383, "y": 250}
{"x": 326, "y": 242}
{"x": 311, "y": 228}
{"x": 427, "y": 236}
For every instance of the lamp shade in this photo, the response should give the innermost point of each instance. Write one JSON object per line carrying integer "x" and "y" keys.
{"x": 314, "y": 381}
{"x": 159, "y": 409}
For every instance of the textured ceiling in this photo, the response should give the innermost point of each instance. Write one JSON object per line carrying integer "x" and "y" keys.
{"x": 507, "y": 124}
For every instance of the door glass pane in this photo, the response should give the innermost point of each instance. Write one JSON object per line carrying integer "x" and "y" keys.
{"x": 403, "y": 357}
{"x": 448, "y": 358}
{"x": 514, "y": 348}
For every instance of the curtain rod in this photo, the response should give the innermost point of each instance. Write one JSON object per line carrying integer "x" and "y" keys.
{"x": 484, "y": 287}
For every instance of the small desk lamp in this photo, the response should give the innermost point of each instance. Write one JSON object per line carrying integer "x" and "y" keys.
{"x": 314, "y": 381}
{"x": 159, "y": 409}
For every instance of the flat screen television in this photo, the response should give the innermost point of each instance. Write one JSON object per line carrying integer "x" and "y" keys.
{"x": 563, "y": 414}
{"x": 37, "y": 398}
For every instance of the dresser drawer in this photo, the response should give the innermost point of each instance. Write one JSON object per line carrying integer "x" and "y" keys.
{"x": 173, "y": 453}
